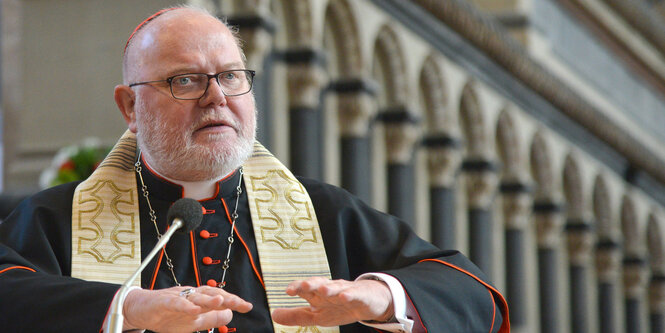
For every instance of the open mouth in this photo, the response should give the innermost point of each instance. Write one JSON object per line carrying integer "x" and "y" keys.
{"x": 213, "y": 126}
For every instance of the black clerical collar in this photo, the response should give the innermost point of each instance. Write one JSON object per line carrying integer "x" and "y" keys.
{"x": 164, "y": 189}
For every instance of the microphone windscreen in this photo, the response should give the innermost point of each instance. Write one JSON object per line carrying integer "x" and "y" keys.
{"x": 189, "y": 211}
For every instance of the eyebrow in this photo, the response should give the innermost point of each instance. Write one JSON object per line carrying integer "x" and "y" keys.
{"x": 187, "y": 69}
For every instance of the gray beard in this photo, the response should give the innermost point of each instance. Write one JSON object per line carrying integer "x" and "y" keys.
{"x": 173, "y": 155}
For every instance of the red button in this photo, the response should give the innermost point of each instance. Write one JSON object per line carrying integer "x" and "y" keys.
{"x": 212, "y": 283}
{"x": 207, "y": 260}
{"x": 205, "y": 234}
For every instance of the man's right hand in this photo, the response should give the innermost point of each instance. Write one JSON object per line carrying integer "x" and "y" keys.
{"x": 167, "y": 310}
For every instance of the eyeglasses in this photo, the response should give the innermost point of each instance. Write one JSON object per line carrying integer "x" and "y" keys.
{"x": 194, "y": 85}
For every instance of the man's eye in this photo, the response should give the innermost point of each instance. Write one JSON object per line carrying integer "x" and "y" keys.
{"x": 229, "y": 76}
{"x": 183, "y": 80}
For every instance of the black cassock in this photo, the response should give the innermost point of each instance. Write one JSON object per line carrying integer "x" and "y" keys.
{"x": 37, "y": 294}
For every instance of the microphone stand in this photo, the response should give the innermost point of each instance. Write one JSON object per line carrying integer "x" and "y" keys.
{"x": 116, "y": 319}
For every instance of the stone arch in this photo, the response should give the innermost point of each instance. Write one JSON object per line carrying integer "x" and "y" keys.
{"x": 541, "y": 169}
{"x": 655, "y": 245}
{"x": 390, "y": 69}
{"x": 340, "y": 22}
{"x": 509, "y": 147}
{"x": 632, "y": 237}
{"x": 573, "y": 188}
{"x": 434, "y": 97}
{"x": 473, "y": 123}
{"x": 297, "y": 19}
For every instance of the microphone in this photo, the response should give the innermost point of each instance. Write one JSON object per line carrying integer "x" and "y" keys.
{"x": 184, "y": 215}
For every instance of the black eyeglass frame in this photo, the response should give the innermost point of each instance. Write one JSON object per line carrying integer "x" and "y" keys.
{"x": 250, "y": 74}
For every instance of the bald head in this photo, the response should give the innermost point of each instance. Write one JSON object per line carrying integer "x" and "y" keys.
{"x": 163, "y": 29}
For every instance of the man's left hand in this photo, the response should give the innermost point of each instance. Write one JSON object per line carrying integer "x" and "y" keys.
{"x": 336, "y": 302}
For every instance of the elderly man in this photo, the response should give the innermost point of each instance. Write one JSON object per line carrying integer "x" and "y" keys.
{"x": 273, "y": 253}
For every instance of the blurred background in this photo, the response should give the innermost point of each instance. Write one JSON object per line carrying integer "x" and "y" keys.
{"x": 529, "y": 134}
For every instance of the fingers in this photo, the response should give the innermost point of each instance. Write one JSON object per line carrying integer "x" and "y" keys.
{"x": 181, "y": 309}
{"x": 336, "y": 302}
{"x": 295, "y": 317}
{"x": 317, "y": 285}
{"x": 209, "y": 298}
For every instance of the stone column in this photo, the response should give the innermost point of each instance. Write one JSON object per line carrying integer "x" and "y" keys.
{"x": 608, "y": 260}
{"x": 635, "y": 278}
{"x": 481, "y": 186}
{"x": 401, "y": 133}
{"x": 355, "y": 110}
{"x": 517, "y": 207}
{"x": 306, "y": 77}
{"x": 549, "y": 222}
{"x": 580, "y": 245}
{"x": 443, "y": 161}
{"x": 657, "y": 303}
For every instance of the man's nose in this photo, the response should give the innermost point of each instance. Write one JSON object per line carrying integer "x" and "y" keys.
{"x": 214, "y": 94}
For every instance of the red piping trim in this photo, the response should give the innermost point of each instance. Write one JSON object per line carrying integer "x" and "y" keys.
{"x": 249, "y": 254}
{"x": 505, "y": 325}
{"x": 157, "y": 175}
{"x": 18, "y": 267}
{"x": 217, "y": 186}
{"x": 195, "y": 263}
{"x": 493, "y": 311}
{"x": 420, "y": 320}
{"x": 154, "y": 274}
{"x": 182, "y": 189}
{"x": 108, "y": 311}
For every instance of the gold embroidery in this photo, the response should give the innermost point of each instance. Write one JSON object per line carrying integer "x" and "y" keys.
{"x": 101, "y": 244}
{"x": 299, "y": 219}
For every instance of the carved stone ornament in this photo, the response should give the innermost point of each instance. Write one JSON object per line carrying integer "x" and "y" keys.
{"x": 481, "y": 188}
{"x": 657, "y": 296}
{"x": 635, "y": 278}
{"x": 442, "y": 165}
{"x": 517, "y": 209}
{"x": 305, "y": 81}
{"x": 580, "y": 247}
{"x": 549, "y": 227}
{"x": 401, "y": 139}
{"x": 608, "y": 262}
{"x": 355, "y": 111}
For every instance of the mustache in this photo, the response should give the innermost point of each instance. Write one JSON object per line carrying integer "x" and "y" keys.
{"x": 214, "y": 117}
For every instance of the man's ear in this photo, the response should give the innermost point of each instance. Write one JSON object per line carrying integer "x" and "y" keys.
{"x": 125, "y": 99}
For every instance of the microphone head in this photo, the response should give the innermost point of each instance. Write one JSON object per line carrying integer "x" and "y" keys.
{"x": 189, "y": 211}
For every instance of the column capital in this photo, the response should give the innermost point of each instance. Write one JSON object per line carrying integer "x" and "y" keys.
{"x": 353, "y": 85}
{"x": 305, "y": 80}
{"x": 657, "y": 294}
{"x": 443, "y": 159}
{"x": 355, "y": 111}
{"x": 481, "y": 182}
{"x": 401, "y": 133}
{"x": 517, "y": 204}
{"x": 549, "y": 219}
{"x": 635, "y": 277}
{"x": 608, "y": 260}
{"x": 355, "y": 104}
{"x": 580, "y": 240}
